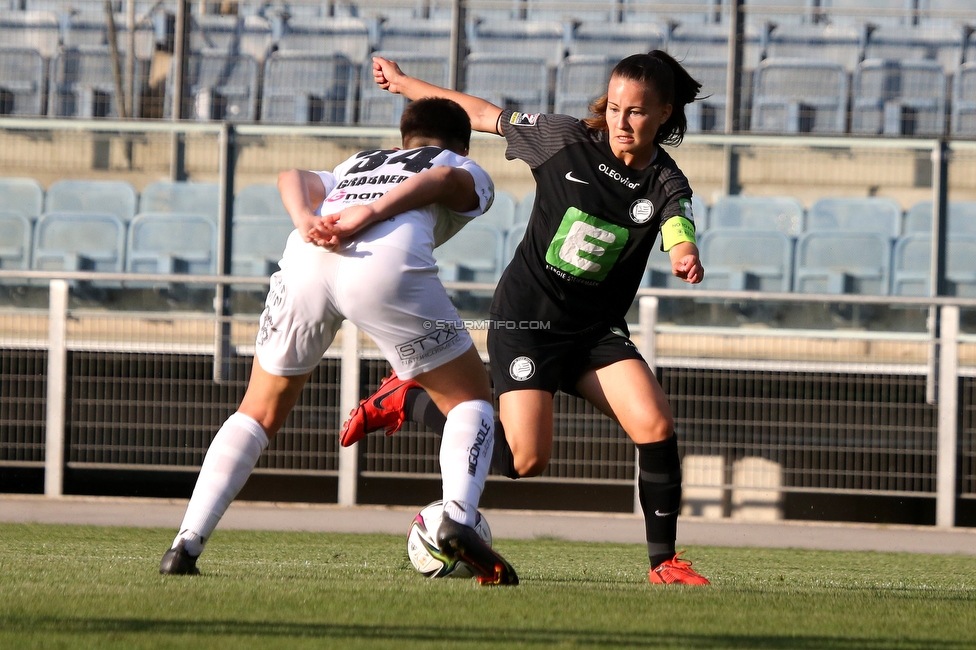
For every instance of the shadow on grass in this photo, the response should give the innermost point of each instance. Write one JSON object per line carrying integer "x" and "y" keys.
{"x": 460, "y": 635}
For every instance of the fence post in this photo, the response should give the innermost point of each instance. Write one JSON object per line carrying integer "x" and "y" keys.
{"x": 57, "y": 378}
{"x": 223, "y": 350}
{"x": 733, "y": 93}
{"x": 459, "y": 46}
{"x": 647, "y": 315}
{"x": 937, "y": 268}
{"x": 181, "y": 46}
{"x": 946, "y": 456}
{"x": 348, "y": 400}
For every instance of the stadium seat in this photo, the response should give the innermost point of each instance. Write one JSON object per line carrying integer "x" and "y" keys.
{"x": 961, "y": 217}
{"x": 784, "y": 13}
{"x": 871, "y": 214}
{"x": 799, "y": 96}
{"x": 616, "y": 40}
{"x": 964, "y": 100}
{"x": 21, "y": 82}
{"x": 658, "y": 272}
{"x": 898, "y": 98}
{"x": 605, "y": 11}
{"x": 184, "y": 197}
{"x": 514, "y": 82}
{"x": 700, "y": 212}
{"x": 474, "y": 254}
{"x": 708, "y": 113}
{"x": 308, "y": 89}
{"x": 425, "y": 37}
{"x": 258, "y": 242}
{"x": 259, "y": 201}
{"x": 501, "y": 214}
{"x": 171, "y": 243}
{"x": 79, "y": 241}
{"x": 691, "y": 13}
{"x": 524, "y": 208}
{"x": 218, "y": 34}
{"x": 524, "y": 39}
{"x": 113, "y": 197}
{"x": 883, "y": 13}
{"x": 34, "y": 30}
{"x": 953, "y": 13}
{"x": 911, "y": 266}
{"x": 843, "y": 263}
{"x": 710, "y": 42}
{"x": 83, "y": 84}
{"x": 379, "y": 107}
{"x": 326, "y": 37}
{"x": 90, "y": 29}
{"x": 840, "y": 44}
{"x": 24, "y": 196}
{"x": 512, "y": 239}
{"x": 915, "y": 43}
{"x": 581, "y": 79}
{"x": 221, "y": 87}
{"x": 15, "y": 243}
{"x": 781, "y": 214}
{"x": 746, "y": 260}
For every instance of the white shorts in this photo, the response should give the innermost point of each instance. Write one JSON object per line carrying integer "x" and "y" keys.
{"x": 395, "y": 297}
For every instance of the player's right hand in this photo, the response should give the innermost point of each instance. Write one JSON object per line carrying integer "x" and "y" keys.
{"x": 387, "y": 74}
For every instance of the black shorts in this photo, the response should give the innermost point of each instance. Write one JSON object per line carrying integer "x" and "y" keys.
{"x": 534, "y": 359}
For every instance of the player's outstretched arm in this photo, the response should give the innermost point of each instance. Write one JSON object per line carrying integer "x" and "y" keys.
{"x": 685, "y": 263}
{"x": 301, "y": 194}
{"x": 451, "y": 187}
{"x": 388, "y": 76}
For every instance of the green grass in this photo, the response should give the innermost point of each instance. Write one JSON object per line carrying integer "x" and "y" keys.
{"x": 87, "y": 587}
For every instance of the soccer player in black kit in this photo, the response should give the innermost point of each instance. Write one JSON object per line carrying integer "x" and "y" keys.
{"x": 605, "y": 187}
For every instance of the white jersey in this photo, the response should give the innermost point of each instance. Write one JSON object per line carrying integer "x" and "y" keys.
{"x": 368, "y": 175}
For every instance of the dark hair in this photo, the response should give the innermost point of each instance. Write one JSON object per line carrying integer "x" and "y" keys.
{"x": 672, "y": 83}
{"x": 439, "y": 119}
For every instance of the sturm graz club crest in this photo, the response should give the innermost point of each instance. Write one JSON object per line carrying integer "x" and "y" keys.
{"x": 522, "y": 368}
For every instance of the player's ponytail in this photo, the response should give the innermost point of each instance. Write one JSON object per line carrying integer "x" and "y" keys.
{"x": 671, "y": 81}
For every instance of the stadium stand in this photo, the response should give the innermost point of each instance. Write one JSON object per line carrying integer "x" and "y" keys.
{"x": 964, "y": 100}
{"x": 524, "y": 208}
{"x": 535, "y": 40}
{"x": 693, "y": 13}
{"x": 708, "y": 113}
{"x": 15, "y": 243}
{"x": 21, "y": 82}
{"x": 184, "y": 197}
{"x": 560, "y": 11}
{"x": 23, "y": 196}
{"x": 897, "y": 98}
{"x": 746, "y": 260}
{"x": 378, "y": 107}
{"x": 35, "y": 30}
{"x": 514, "y": 82}
{"x": 83, "y": 85}
{"x": 780, "y": 214}
{"x": 257, "y": 243}
{"x": 221, "y": 87}
{"x": 911, "y": 265}
{"x": 580, "y": 79}
{"x": 616, "y": 40}
{"x": 87, "y": 29}
{"x": 428, "y": 37}
{"x": 308, "y": 89}
{"x": 475, "y": 254}
{"x": 259, "y": 201}
{"x": 658, "y": 272}
{"x": 256, "y": 37}
{"x": 326, "y": 37}
{"x": 700, "y": 212}
{"x": 78, "y": 241}
{"x": 216, "y": 34}
{"x": 799, "y": 96}
{"x": 710, "y": 42}
{"x": 961, "y": 217}
{"x": 872, "y": 214}
{"x": 171, "y": 243}
{"x": 883, "y": 13}
{"x": 905, "y": 42}
{"x": 501, "y": 214}
{"x": 840, "y": 44}
{"x": 512, "y": 239}
{"x": 117, "y": 198}
{"x": 842, "y": 263}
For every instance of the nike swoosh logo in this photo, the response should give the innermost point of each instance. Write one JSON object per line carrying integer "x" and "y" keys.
{"x": 665, "y": 514}
{"x": 570, "y": 177}
{"x": 378, "y": 400}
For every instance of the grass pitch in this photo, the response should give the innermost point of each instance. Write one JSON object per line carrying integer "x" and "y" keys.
{"x": 87, "y": 587}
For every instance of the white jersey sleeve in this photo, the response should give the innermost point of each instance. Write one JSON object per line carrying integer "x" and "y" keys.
{"x": 329, "y": 181}
{"x": 449, "y": 222}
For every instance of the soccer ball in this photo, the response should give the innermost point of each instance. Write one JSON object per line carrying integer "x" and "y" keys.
{"x": 422, "y": 547}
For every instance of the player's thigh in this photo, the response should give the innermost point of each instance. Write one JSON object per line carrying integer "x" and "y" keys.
{"x": 269, "y": 398}
{"x": 628, "y": 392}
{"x": 459, "y": 380}
{"x": 526, "y": 416}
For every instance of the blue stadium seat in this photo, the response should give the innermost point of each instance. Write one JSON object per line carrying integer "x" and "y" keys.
{"x": 843, "y": 263}
{"x": 24, "y": 196}
{"x": 691, "y": 13}
{"x": 521, "y": 84}
{"x": 700, "y": 212}
{"x": 83, "y": 84}
{"x": 909, "y": 42}
{"x": 786, "y": 14}
{"x": 217, "y": 34}
{"x": 956, "y": 9}
{"x": 221, "y": 87}
{"x": 113, "y": 197}
{"x": 21, "y": 82}
{"x": 524, "y": 209}
{"x": 258, "y": 242}
{"x": 79, "y": 241}
{"x": 871, "y": 214}
{"x": 525, "y": 39}
{"x": 883, "y": 13}
{"x": 616, "y": 40}
{"x": 34, "y": 30}
{"x": 425, "y": 37}
{"x": 708, "y": 113}
{"x": 259, "y": 201}
{"x": 15, "y": 243}
{"x": 326, "y": 37}
{"x": 184, "y": 197}
{"x": 605, "y": 11}
{"x": 781, "y": 214}
{"x": 961, "y": 217}
{"x": 379, "y": 107}
{"x": 799, "y": 96}
{"x": 911, "y": 265}
{"x": 474, "y": 254}
{"x": 840, "y": 44}
{"x": 512, "y": 239}
{"x": 580, "y": 79}
{"x": 746, "y": 260}
{"x": 897, "y": 98}
{"x": 710, "y": 42}
{"x": 171, "y": 243}
{"x": 308, "y": 89}
{"x": 89, "y": 29}
{"x": 256, "y": 37}
{"x": 501, "y": 214}
{"x": 964, "y": 100}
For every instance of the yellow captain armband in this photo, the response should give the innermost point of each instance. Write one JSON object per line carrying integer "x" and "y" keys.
{"x": 677, "y": 230}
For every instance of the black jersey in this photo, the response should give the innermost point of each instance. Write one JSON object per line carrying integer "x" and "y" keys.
{"x": 592, "y": 226}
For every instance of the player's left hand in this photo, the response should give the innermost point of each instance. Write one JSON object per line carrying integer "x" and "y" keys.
{"x": 331, "y": 229}
{"x": 688, "y": 268}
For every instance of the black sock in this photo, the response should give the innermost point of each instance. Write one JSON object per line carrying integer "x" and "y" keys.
{"x": 418, "y": 407}
{"x": 659, "y": 488}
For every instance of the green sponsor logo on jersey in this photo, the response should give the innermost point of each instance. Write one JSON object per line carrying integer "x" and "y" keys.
{"x": 586, "y": 246}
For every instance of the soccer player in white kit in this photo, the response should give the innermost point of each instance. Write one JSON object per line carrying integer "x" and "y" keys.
{"x": 363, "y": 250}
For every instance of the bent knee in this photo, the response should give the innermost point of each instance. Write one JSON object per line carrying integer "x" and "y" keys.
{"x": 528, "y": 465}
{"x": 655, "y": 430}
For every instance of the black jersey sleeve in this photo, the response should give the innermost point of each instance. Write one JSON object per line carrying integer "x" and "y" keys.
{"x": 678, "y": 191}
{"x": 536, "y": 137}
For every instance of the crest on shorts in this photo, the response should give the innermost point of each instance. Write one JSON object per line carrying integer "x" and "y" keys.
{"x": 522, "y": 368}
{"x": 641, "y": 210}
{"x": 524, "y": 119}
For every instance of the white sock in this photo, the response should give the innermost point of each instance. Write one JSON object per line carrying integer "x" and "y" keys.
{"x": 469, "y": 436}
{"x": 228, "y": 463}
